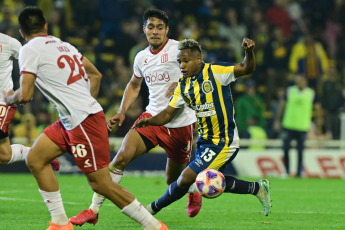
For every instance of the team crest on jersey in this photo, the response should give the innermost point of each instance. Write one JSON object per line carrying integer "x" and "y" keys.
{"x": 207, "y": 87}
{"x": 164, "y": 58}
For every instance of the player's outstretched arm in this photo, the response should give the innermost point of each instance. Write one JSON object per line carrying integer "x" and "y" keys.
{"x": 248, "y": 64}
{"x": 24, "y": 93}
{"x": 94, "y": 75}
{"x": 160, "y": 119}
{"x": 131, "y": 93}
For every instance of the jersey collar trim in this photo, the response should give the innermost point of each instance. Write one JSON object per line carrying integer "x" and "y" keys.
{"x": 156, "y": 52}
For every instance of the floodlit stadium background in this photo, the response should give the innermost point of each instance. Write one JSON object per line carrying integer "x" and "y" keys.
{"x": 109, "y": 33}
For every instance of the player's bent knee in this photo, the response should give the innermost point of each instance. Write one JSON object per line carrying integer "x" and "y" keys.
{"x": 4, "y": 158}
{"x": 121, "y": 160}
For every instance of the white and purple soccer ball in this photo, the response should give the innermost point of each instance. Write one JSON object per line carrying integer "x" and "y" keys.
{"x": 210, "y": 183}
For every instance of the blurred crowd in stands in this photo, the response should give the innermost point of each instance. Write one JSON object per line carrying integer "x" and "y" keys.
{"x": 292, "y": 37}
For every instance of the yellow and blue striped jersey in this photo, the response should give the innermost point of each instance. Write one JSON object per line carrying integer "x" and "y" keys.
{"x": 209, "y": 95}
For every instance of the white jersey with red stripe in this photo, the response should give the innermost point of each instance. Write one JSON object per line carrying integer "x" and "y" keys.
{"x": 9, "y": 50}
{"x": 160, "y": 69}
{"x": 61, "y": 77}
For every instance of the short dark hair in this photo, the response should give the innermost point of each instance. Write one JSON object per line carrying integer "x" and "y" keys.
{"x": 157, "y": 14}
{"x": 31, "y": 20}
{"x": 189, "y": 44}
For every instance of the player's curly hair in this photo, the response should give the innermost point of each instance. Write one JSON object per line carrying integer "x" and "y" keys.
{"x": 157, "y": 14}
{"x": 189, "y": 44}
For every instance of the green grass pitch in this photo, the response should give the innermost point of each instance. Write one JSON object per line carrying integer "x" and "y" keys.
{"x": 297, "y": 204}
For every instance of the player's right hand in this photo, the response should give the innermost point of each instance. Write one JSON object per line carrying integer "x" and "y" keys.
{"x": 117, "y": 119}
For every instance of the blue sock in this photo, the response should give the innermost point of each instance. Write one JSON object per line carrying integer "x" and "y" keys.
{"x": 171, "y": 195}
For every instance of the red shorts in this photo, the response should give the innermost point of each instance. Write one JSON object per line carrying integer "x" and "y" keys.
{"x": 177, "y": 142}
{"x": 6, "y": 116}
{"x": 88, "y": 142}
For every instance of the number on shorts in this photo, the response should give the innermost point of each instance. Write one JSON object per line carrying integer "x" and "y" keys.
{"x": 79, "y": 150}
{"x": 76, "y": 74}
{"x": 2, "y": 113}
{"x": 208, "y": 154}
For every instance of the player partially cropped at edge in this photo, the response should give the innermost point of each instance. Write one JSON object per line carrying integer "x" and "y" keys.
{"x": 205, "y": 89}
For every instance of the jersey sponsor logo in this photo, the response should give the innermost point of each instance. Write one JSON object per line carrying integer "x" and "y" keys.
{"x": 203, "y": 106}
{"x": 164, "y": 58}
{"x": 51, "y": 41}
{"x": 206, "y": 113}
{"x": 207, "y": 87}
{"x": 0, "y": 48}
{"x": 157, "y": 77}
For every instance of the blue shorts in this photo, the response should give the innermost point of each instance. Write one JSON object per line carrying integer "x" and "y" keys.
{"x": 212, "y": 156}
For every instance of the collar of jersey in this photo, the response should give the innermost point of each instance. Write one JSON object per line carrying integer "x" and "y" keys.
{"x": 156, "y": 52}
{"x": 199, "y": 75}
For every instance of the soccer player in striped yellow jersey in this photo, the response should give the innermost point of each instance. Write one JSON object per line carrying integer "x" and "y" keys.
{"x": 204, "y": 87}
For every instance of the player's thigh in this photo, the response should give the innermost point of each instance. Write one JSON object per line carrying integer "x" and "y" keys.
{"x": 212, "y": 156}
{"x": 5, "y": 150}
{"x": 132, "y": 147}
{"x": 44, "y": 150}
{"x": 177, "y": 142}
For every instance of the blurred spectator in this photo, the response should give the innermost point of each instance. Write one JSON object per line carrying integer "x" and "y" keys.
{"x": 248, "y": 106}
{"x": 233, "y": 30}
{"x": 8, "y": 20}
{"x": 255, "y": 133}
{"x": 296, "y": 121}
{"x": 277, "y": 15}
{"x": 276, "y": 58}
{"x": 112, "y": 13}
{"x": 309, "y": 58}
{"x": 27, "y": 129}
{"x": 332, "y": 101}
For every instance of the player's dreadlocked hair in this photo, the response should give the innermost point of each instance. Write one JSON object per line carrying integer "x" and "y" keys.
{"x": 189, "y": 44}
{"x": 31, "y": 20}
{"x": 157, "y": 14}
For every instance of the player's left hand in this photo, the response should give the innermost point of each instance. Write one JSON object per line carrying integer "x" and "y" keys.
{"x": 248, "y": 44}
{"x": 170, "y": 90}
{"x": 141, "y": 123}
{"x": 6, "y": 95}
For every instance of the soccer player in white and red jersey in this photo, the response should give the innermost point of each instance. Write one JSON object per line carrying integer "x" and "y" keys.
{"x": 9, "y": 51}
{"x": 157, "y": 65}
{"x": 71, "y": 83}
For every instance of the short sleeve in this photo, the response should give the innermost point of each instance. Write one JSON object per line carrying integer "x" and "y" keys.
{"x": 177, "y": 100}
{"x": 224, "y": 72}
{"x": 136, "y": 67}
{"x": 15, "y": 47}
{"x": 28, "y": 60}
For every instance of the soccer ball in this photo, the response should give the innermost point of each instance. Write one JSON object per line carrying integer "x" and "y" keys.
{"x": 210, "y": 183}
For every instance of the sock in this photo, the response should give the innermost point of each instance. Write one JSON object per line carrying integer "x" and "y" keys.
{"x": 238, "y": 186}
{"x": 138, "y": 213}
{"x": 192, "y": 188}
{"x": 19, "y": 153}
{"x": 54, "y": 203}
{"x": 97, "y": 199}
{"x": 171, "y": 195}
{"x": 116, "y": 174}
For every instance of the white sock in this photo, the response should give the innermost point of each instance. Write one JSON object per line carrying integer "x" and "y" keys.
{"x": 54, "y": 203}
{"x": 97, "y": 200}
{"x": 19, "y": 153}
{"x": 116, "y": 174}
{"x": 192, "y": 188}
{"x": 138, "y": 213}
